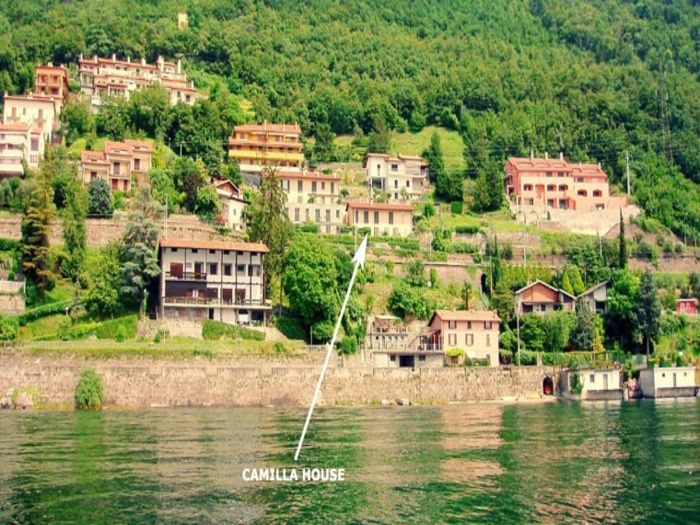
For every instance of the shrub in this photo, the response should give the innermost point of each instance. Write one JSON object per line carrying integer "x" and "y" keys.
{"x": 576, "y": 383}
{"x": 470, "y": 229}
{"x": 215, "y": 330}
{"x": 291, "y": 328}
{"x": 42, "y": 311}
{"x": 89, "y": 393}
{"x": 279, "y": 348}
{"x": 347, "y": 346}
{"x": 456, "y": 207}
{"x": 119, "y": 329}
{"x": 454, "y": 352}
{"x": 9, "y": 328}
{"x": 477, "y": 361}
{"x": 9, "y": 245}
{"x": 309, "y": 227}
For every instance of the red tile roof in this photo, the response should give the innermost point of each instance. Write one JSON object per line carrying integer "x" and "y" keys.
{"x": 268, "y": 127}
{"x": 391, "y": 206}
{"x": 92, "y": 156}
{"x": 466, "y": 315}
{"x": 314, "y": 175}
{"x": 214, "y": 245}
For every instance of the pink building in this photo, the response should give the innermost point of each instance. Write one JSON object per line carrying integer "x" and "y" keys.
{"x": 556, "y": 183}
{"x": 687, "y": 306}
{"x": 118, "y": 163}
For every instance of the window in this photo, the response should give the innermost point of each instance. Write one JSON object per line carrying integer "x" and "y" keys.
{"x": 527, "y": 187}
{"x": 227, "y": 269}
{"x": 300, "y": 186}
{"x": 212, "y": 251}
{"x": 488, "y": 325}
{"x": 421, "y": 358}
{"x": 452, "y": 325}
{"x": 549, "y": 174}
{"x": 550, "y": 203}
{"x": 226, "y": 252}
{"x": 195, "y": 250}
{"x": 551, "y": 187}
{"x": 396, "y": 184}
{"x": 173, "y": 250}
{"x": 323, "y": 185}
{"x": 391, "y": 217}
{"x": 408, "y": 183}
{"x": 296, "y": 214}
{"x": 240, "y": 268}
{"x": 313, "y": 186}
{"x": 563, "y": 187}
{"x": 366, "y": 217}
{"x": 469, "y": 339}
{"x": 393, "y": 358}
{"x": 591, "y": 378}
{"x": 452, "y": 339}
{"x": 376, "y": 217}
{"x": 394, "y": 167}
{"x": 597, "y": 193}
{"x": 582, "y": 193}
{"x": 213, "y": 269}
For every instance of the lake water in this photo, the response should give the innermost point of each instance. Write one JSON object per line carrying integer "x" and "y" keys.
{"x": 488, "y": 463}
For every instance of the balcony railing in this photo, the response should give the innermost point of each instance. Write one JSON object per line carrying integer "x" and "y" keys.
{"x": 187, "y": 276}
{"x": 181, "y": 299}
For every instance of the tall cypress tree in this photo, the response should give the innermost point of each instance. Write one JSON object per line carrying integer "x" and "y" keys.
{"x": 623, "y": 244}
{"x": 647, "y": 313}
{"x": 36, "y": 230}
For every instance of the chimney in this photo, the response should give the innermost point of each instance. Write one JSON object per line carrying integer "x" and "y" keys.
{"x": 143, "y": 61}
{"x": 128, "y": 60}
{"x": 80, "y": 57}
{"x": 561, "y": 155}
{"x": 114, "y": 56}
{"x": 94, "y": 58}
{"x": 50, "y": 64}
{"x": 179, "y": 66}
{"x": 532, "y": 155}
{"x": 546, "y": 156}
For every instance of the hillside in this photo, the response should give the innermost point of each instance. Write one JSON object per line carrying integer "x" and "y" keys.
{"x": 591, "y": 79}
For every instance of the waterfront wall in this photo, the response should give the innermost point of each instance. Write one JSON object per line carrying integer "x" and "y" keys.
{"x": 253, "y": 381}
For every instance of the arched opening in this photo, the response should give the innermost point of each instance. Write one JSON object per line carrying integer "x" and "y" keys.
{"x": 582, "y": 193}
{"x": 597, "y": 193}
{"x": 548, "y": 386}
{"x": 483, "y": 282}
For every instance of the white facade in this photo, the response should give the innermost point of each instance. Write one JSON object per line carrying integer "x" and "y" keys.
{"x": 19, "y": 142}
{"x": 313, "y": 198}
{"x": 232, "y": 205}
{"x": 216, "y": 280}
{"x": 597, "y": 383}
{"x": 402, "y": 177}
{"x": 668, "y": 382}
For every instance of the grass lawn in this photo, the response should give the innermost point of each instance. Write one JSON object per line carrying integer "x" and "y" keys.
{"x": 415, "y": 143}
{"x": 172, "y": 347}
{"x": 497, "y": 221}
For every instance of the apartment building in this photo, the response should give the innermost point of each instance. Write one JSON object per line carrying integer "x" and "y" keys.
{"x": 52, "y": 81}
{"x": 19, "y": 142}
{"x": 403, "y": 177}
{"x": 257, "y": 146}
{"x": 474, "y": 331}
{"x": 313, "y": 197}
{"x": 118, "y": 163}
{"x": 232, "y": 205}
{"x": 38, "y": 110}
{"x": 219, "y": 280}
{"x": 558, "y": 184}
{"x": 105, "y": 77}
{"x": 380, "y": 218}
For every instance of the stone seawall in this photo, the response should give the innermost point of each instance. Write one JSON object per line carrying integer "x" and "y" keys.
{"x": 252, "y": 381}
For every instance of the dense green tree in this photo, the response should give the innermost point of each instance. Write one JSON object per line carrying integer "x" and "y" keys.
{"x": 76, "y": 119}
{"x": 406, "y": 300}
{"x": 622, "y": 261}
{"x": 449, "y": 186}
{"x": 99, "y": 199}
{"x": 502, "y": 301}
{"x": 148, "y": 111}
{"x": 102, "y": 283}
{"x": 189, "y": 177}
{"x": 379, "y": 137}
{"x": 324, "y": 147}
{"x": 583, "y": 332}
{"x": 466, "y": 295}
{"x": 434, "y": 157}
{"x": 619, "y": 314}
{"x": 113, "y": 118}
{"x": 532, "y": 332}
{"x": 139, "y": 258}
{"x": 233, "y": 172}
{"x": 647, "y": 312}
{"x": 36, "y": 230}
{"x": 310, "y": 282}
{"x": 268, "y": 223}
{"x": 208, "y": 205}
{"x": 556, "y": 327}
{"x": 415, "y": 273}
{"x": 74, "y": 232}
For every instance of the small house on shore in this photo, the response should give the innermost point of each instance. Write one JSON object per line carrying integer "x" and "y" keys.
{"x": 591, "y": 384}
{"x": 540, "y": 298}
{"x": 668, "y": 382}
{"x": 391, "y": 344}
{"x": 687, "y": 306}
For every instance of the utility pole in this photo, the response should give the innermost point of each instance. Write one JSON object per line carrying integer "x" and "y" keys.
{"x": 517, "y": 321}
{"x": 166, "y": 215}
{"x": 627, "y": 161}
{"x": 181, "y": 149}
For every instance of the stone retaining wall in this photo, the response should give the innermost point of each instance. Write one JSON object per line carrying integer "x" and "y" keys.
{"x": 251, "y": 381}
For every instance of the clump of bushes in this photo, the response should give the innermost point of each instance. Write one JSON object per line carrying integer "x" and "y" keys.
{"x": 215, "y": 330}
{"x": 347, "y": 346}
{"x": 89, "y": 393}
{"x": 476, "y": 361}
{"x": 470, "y": 229}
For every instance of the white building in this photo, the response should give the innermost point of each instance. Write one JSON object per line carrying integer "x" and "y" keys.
{"x": 19, "y": 142}
{"x": 595, "y": 383}
{"x": 668, "y": 382}
{"x": 218, "y": 280}
{"x": 313, "y": 197}
{"x": 403, "y": 177}
{"x": 232, "y": 204}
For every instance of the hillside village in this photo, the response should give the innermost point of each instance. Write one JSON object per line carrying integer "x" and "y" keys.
{"x": 249, "y": 241}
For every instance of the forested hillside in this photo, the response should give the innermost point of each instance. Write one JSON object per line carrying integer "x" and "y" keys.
{"x": 589, "y": 78}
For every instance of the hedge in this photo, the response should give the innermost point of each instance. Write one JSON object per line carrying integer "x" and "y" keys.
{"x": 291, "y": 328}
{"x": 215, "y": 330}
{"x": 456, "y": 207}
{"x": 9, "y": 245}
{"x": 468, "y": 229}
{"x": 42, "y": 311}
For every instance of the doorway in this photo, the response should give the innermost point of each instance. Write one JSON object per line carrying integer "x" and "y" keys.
{"x": 548, "y": 386}
{"x": 407, "y": 361}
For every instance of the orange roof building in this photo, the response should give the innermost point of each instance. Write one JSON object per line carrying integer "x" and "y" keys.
{"x": 257, "y": 146}
{"x": 403, "y": 177}
{"x": 119, "y": 162}
{"x": 557, "y": 184}
{"x": 381, "y": 218}
{"x": 313, "y": 197}
{"x": 50, "y": 80}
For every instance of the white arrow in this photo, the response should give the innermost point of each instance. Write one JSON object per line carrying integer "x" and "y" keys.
{"x": 359, "y": 260}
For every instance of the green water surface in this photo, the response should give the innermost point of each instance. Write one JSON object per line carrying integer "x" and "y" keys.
{"x": 635, "y": 462}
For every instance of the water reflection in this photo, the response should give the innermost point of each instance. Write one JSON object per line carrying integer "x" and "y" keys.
{"x": 602, "y": 462}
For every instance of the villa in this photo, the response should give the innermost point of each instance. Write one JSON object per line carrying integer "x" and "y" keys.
{"x": 595, "y": 383}
{"x": 381, "y": 218}
{"x": 257, "y": 146}
{"x": 220, "y": 280}
{"x": 402, "y": 177}
{"x": 596, "y": 297}
{"x": 473, "y": 331}
{"x": 232, "y": 205}
{"x": 117, "y": 164}
{"x": 313, "y": 197}
{"x": 541, "y": 298}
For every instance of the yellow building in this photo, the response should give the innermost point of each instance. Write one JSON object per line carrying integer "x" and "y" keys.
{"x": 256, "y": 146}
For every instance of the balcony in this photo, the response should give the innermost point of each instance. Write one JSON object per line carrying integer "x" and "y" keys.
{"x": 186, "y": 276}
{"x": 215, "y": 301}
